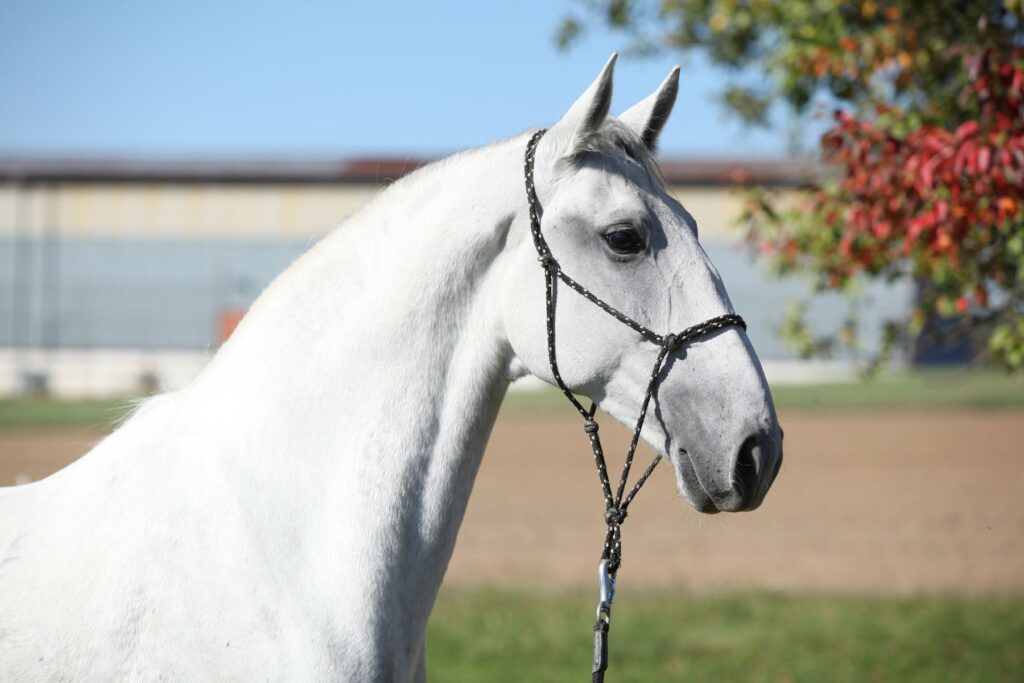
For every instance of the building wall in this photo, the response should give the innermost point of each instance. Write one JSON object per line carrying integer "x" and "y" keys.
{"x": 179, "y": 210}
{"x": 240, "y": 212}
{"x": 154, "y": 268}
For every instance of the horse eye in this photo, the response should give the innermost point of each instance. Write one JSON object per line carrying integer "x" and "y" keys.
{"x": 625, "y": 241}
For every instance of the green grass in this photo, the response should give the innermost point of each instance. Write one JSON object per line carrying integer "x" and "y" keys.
{"x": 46, "y": 413}
{"x": 911, "y": 391}
{"x": 490, "y": 635}
{"x": 916, "y": 390}
{"x": 920, "y": 390}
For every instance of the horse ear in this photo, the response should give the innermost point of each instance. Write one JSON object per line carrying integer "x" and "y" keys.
{"x": 587, "y": 114}
{"x": 648, "y": 116}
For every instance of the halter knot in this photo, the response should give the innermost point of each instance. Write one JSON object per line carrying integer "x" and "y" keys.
{"x": 546, "y": 259}
{"x": 614, "y": 516}
{"x": 672, "y": 341}
{"x": 590, "y": 426}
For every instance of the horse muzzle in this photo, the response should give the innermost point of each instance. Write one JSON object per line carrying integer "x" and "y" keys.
{"x": 752, "y": 472}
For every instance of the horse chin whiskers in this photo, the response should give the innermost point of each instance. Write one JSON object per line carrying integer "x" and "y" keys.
{"x": 689, "y": 483}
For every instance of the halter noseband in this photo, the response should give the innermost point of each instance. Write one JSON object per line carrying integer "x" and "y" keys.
{"x": 615, "y": 506}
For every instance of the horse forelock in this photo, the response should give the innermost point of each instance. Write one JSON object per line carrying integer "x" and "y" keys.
{"x": 616, "y": 142}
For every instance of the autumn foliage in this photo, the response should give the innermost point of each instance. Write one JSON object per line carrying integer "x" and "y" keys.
{"x": 945, "y": 206}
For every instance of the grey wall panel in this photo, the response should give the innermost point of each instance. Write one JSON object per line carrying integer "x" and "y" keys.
{"x": 124, "y": 293}
{"x": 142, "y": 293}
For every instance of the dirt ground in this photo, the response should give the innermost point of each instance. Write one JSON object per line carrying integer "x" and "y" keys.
{"x": 878, "y": 503}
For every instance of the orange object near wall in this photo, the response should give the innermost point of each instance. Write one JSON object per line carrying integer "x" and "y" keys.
{"x": 227, "y": 321}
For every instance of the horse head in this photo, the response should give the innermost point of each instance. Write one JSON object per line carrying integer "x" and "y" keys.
{"x": 612, "y": 224}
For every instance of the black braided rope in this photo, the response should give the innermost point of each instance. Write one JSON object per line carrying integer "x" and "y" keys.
{"x": 617, "y": 505}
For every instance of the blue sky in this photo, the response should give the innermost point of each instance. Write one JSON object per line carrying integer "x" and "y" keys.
{"x": 318, "y": 79}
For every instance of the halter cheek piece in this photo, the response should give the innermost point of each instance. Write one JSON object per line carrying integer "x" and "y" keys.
{"x": 615, "y": 506}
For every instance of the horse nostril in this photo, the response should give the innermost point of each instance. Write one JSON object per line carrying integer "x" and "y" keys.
{"x": 746, "y": 472}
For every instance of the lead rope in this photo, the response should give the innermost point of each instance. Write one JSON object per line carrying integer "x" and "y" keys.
{"x": 615, "y": 505}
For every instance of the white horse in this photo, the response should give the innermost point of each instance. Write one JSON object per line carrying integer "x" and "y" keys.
{"x": 291, "y": 513}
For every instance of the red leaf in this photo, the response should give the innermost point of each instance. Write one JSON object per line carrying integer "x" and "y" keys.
{"x": 967, "y": 130}
{"x": 984, "y": 157}
{"x": 927, "y": 173}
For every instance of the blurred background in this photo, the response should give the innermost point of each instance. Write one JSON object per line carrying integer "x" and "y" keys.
{"x": 855, "y": 170}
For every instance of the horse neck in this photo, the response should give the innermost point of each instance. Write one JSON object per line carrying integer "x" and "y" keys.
{"x": 400, "y": 303}
{"x": 366, "y": 379}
